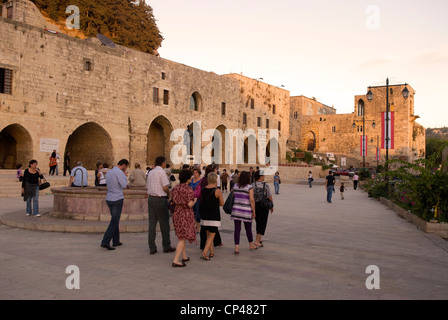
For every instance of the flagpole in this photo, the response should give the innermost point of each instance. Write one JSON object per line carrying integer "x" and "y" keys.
{"x": 364, "y": 140}
{"x": 387, "y": 122}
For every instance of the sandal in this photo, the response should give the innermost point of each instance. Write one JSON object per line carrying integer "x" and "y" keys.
{"x": 185, "y": 260}
{"x": 175, "y": 265}
{"x": 205, "y": 258}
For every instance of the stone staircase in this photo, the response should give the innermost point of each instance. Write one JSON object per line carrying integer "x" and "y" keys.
{"x": 10, "y": 187}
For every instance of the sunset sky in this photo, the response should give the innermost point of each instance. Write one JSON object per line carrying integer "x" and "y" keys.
{"x": 331, "y": 50}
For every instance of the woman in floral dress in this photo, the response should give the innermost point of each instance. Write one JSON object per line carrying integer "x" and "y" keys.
{"x": 183, "y": 217}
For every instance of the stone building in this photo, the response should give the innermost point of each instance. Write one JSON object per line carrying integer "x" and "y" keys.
{"x": 104, "y": 104}
{"x": 321, "y": 130}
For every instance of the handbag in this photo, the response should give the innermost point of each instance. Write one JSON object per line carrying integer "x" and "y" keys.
{"x": 44, "y": 185}
{"x": 171, "y": 206}
{"x": 228, "y": 205}
{"x": 265, "y": 202}
{"x": 197, "y": 191}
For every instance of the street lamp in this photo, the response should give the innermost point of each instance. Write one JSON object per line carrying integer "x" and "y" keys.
{"x": 405, "y": 91}
{"x": 369, "y": 95}
{"x": 405, "y": 94}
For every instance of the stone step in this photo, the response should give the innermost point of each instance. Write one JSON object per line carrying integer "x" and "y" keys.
{"x": 10, "y": 187}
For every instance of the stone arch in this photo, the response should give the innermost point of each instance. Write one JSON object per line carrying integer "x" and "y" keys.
{"x": 16, "y": 146}
{"x": 90, "y": 143}
{"x": 219, "y": 155}
{"x": 361, "y": 108}
{"x": 158, "y": 140}
{"x": 310, "y": 139}
{"x": 268, "y": 153}
{"x": 196, "y": 101}
{"x": 250, "y": 154}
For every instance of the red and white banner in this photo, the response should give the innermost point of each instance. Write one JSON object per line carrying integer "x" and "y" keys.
{"x": 391, "y": 130}
{"x": 363, "y": 146}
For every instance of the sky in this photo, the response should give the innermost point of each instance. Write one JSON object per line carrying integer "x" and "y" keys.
{"x": 330, "y": 50}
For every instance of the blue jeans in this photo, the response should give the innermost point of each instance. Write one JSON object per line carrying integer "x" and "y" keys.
{"x": 329, "y": 193}
{"x": 276, "y": 187}
{"x": 113, "y": 231}
{"x": 35, "y": 200}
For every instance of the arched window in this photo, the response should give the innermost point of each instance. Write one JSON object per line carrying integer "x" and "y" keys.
{"x": 361, "y": 108}
{"x": 196, "y": 102}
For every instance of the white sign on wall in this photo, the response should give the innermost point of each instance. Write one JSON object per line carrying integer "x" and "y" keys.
{"x": 48, "y": 145}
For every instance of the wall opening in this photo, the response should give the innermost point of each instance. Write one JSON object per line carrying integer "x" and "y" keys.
{"x": 90, "y": 144}
{"x": 158, "y": 140}
{"x": 16, "y": 146}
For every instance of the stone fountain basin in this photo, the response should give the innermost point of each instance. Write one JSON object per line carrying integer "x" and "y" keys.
{"x": 89, "y": 204}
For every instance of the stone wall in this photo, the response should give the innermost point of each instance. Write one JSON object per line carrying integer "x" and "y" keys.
{"x": 334, "y": 133}
{"x": 62, "y": 84}
{"x": 105, "y": 104}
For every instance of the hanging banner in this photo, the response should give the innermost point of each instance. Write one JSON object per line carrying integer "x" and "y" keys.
{"x": 391, "y": 132}
{"x": 363, "y": 146}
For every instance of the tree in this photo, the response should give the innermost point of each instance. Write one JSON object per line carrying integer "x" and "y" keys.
{"x": 128, "y": 22}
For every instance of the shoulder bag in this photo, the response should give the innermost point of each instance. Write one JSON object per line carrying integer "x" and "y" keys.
{"x": 265, "y": 202}
{"x": 228, "y": 205}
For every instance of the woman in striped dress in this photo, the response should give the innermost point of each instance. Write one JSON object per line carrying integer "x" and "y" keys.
{"x": 243, "y": 210}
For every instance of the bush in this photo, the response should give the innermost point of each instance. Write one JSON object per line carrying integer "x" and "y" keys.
{"x": 417, "y": 187}
{"x": 365, "y": 174}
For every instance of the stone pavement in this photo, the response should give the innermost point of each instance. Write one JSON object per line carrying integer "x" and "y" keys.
{"x": 313, "y": 250}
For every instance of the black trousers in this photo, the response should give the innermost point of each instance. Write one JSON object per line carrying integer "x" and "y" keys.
{"x": 261, "y": 218}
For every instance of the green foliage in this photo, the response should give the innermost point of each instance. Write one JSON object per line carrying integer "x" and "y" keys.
{"x": 365, "y": 174}
{"x": 433, "y": 145}
{"x": 417, "y": 187}
{"x": 130, "y": 23}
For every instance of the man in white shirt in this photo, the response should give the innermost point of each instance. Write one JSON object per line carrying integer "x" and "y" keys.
{"x": 78, "y": 177}
{"x": 116, "y": 181}
{"x": 158, "y": 184}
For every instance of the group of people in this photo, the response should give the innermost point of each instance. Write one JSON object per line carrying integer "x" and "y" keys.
{"x": 196, "y": 200}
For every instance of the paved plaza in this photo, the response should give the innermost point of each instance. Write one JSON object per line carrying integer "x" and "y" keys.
{"x": 312, "y": 250}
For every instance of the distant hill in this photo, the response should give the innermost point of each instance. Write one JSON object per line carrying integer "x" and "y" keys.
{"x": 130, "y": 23}
{"x": 441, "y": 133}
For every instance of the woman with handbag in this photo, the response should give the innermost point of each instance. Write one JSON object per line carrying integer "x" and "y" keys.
{"x": 30, "y": 188}
{"x": 243, "y": 210}
{"x": 261, "y": 195}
